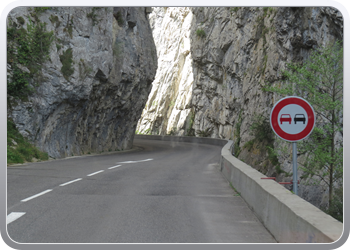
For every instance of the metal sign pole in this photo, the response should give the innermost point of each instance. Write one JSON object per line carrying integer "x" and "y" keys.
{"x": 295, "y": 169}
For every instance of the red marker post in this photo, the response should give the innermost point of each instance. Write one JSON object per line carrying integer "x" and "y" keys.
{"x": 293, "y": 119}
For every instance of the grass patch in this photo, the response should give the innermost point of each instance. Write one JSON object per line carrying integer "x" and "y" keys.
{"x": 249, "y": 145}
{"x": 93, "y": 16}
{"x": 237, "y": 193}
{"x": 235, "y": 9}
{"x": 200, "y": 33}
{"x": 69, "y": 27}
{"x": 19, "y": 149}
{"x": 118, "y": 48}
{"x": 190, "y": 130}
{"x": 84, "y": 70}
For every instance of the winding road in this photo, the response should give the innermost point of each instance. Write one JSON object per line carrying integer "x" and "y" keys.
{"x": 159, "y": 192}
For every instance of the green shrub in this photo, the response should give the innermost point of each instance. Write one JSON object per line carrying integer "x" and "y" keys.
{"x": 119, "y": 18}
{"x": 67, "y": 62}
{"x": 261, "y": 128}
{"x": 190, "y": 130}
{"x": 19, "y": 85}
{"x": 237, "y": 135}
{"x": 335, "y": 208}
{"x": 20, "y": 20}
{"x": 54, "y": 20}
{"x": 262, "y": 132}
{"x": 200, "y": 33}
{"x": 204, "y": 133}
{"x": 29, "y": 48}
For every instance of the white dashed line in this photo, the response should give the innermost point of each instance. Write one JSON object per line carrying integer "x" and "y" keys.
{"x": 95, "y": 173}
{"x": 114, "y": 167}
{"x": 34, "y": 196}
{"x": 70, "y": 182}
{"x": 17, "y": 215}
{"x": 136, "y": 161}
{"x": 13, "y": 216}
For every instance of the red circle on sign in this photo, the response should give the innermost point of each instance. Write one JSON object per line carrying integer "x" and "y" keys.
{"x": 281, "y": 104}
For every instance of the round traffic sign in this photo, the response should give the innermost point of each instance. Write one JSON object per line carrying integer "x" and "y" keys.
{"x": 292, "y": 118}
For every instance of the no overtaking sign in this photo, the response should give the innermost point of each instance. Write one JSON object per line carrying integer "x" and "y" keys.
{"x": 292, "y": 118}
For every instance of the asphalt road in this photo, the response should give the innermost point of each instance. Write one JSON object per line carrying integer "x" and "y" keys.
{"x": 160, "y": 192}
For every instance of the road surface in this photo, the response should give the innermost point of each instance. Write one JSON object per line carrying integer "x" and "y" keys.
{"x": 160, "y": 192}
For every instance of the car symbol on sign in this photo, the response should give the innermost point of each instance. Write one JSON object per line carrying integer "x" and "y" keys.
{"x": 286, "y": 118}
{"x": 299, "y": 118}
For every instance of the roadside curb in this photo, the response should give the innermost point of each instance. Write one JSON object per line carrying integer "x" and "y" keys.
{"x": 77, "y": 156}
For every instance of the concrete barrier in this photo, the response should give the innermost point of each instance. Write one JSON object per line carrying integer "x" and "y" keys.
{"x": 192, "y": 139}
{"x": 289, "y": 218}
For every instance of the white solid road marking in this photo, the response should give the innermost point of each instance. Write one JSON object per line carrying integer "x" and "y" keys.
{"x": 114, "y": 167}
{"x": 136, "y": 161}
{"x": 95, "y": 173}
{"x": 34, "y": 196}
{"x": 70, "y": 182}
{"x": 13, "y": 216}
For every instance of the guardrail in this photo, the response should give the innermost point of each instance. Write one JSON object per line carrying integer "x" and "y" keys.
{"x": 289, "y": 218}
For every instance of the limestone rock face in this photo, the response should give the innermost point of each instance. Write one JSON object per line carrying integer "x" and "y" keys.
{"x": 97, "y": 107}
{"x": 242, "y": 50}
{"x": 210, "y": 80}
{"x": 169, "y": 103}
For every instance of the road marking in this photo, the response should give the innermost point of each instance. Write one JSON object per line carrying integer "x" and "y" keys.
{"x": 95, "y": 173}
{"x": 136, "y": 161}
{"x": 34, "y": 196}
{"x": 70, "y": 182}
{"x": 13, "y": 216}
{"x": 114, "y": 167}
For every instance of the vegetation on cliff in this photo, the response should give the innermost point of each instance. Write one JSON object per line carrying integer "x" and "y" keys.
{"x": 320, "y": 80}
{"x": 19, "y": 149}
{"x": 27, "y": 49}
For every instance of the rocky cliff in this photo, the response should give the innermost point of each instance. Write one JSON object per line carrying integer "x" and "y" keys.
{"x": 214, "y": 87}
{"x": 169, "y": 103}
{"x": 89, "y": 94}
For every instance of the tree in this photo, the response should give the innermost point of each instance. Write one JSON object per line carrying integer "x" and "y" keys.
{"x": 320, "y": 81}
